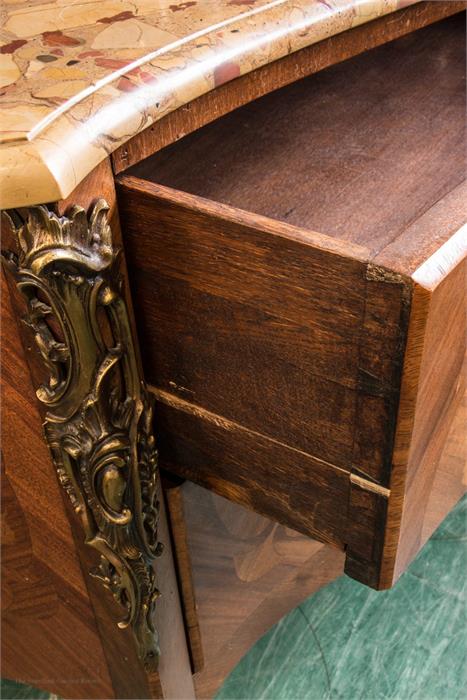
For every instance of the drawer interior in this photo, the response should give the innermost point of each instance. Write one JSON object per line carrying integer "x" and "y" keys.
{"x": 270, "y": 257}
{"x": 357, "y": 151}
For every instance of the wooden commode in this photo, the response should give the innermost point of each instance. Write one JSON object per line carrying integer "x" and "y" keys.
{"x": 234, "y": 239}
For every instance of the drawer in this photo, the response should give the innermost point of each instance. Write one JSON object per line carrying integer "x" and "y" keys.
{"x": 298, "y": 275}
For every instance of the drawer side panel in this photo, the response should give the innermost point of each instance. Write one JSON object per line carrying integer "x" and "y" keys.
{"x": 276, "y": 358}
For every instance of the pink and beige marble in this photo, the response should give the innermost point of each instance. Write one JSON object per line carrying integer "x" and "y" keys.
{"x": 78, "y": 79}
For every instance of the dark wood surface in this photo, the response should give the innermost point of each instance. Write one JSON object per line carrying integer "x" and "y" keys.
{"x": 425, "y": 235}
{"x": 276, "y": 352}
{"x": 236, "y": 312}
{"x": 241, "y": 322}
{"x": 244, "y": 466}
{"x": 287, "y": 70}
{"x": 358, "y": 151}
{"x": 248, "y": 572}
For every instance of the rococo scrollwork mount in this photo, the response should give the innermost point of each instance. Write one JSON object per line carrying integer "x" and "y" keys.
{"x": 98, "y": 413}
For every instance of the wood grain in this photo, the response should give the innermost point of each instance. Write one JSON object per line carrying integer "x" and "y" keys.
{"x": 264, "y": 475}
{"x": 425, "y": 235}
{"x": 289, "y": 69}
{"x": 272, "y": 345}
{"x": 129, "y": 679}
{"x": 47, "y": 616}
{"x": 450, "y": 480}
{"x": 313, "y": 378}
{"x": 269, "y": 348}
{"x": 431, "y": 404}
{"x": 248, "y": 573}
{"x": 178, "y": 529}
{"x": 240, "y": 316}
{"x": 358, "y": 151}
{"x": 259, "y": 316}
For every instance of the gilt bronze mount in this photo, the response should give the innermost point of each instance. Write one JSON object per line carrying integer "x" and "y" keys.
{"x": 97, "y": 411}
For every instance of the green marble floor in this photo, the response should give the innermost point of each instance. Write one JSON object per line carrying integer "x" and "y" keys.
{"x": 350, "y": 643}
{"x": 11, "y": 690}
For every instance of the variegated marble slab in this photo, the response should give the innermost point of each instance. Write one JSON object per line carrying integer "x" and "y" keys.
{"x": 78, "y": 79}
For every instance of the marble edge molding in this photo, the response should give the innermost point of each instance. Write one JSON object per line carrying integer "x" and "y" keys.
{"x": 47, "y": 162}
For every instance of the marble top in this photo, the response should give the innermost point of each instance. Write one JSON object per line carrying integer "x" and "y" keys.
{"x": 78, "y": 79}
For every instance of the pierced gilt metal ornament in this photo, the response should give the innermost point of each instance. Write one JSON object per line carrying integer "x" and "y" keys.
{"x": 98, "y": 414}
